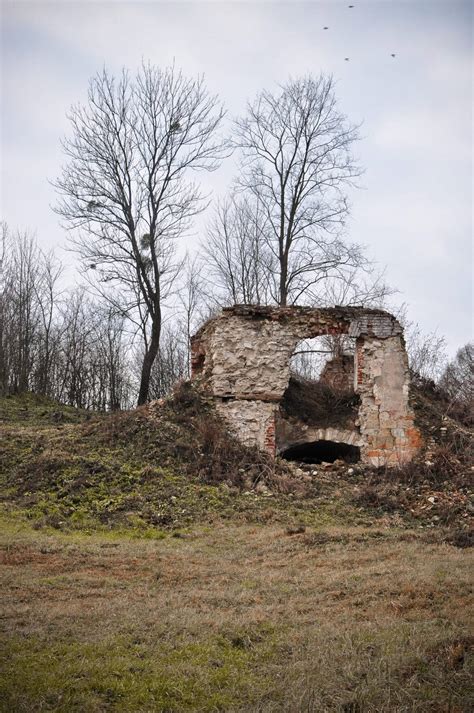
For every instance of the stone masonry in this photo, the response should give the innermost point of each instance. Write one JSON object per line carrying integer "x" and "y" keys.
{"x": 339, "y": 372}
{"x": 242, "y": 356}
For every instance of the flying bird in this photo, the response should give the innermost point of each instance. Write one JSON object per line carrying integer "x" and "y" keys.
{"x": 393, "y": 55}
{"x": 350, "y": 6}
{"x": 346, "y": 59}
{"x": 325, "y": 28}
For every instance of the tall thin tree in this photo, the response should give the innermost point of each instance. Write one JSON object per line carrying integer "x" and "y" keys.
{"x": 126, "y": 191}
{"x": 297, "y": 164}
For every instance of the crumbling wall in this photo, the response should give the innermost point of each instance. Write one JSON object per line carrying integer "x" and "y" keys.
{"x": 242, "y": 358}
{"x": 386, "y": 420}
{"x": 339, "y": 372}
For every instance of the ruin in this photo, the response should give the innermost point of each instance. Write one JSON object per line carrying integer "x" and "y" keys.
{"x": 241, "y": 358}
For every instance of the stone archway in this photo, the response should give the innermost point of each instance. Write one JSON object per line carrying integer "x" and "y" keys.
{"x": 241, "y": 358}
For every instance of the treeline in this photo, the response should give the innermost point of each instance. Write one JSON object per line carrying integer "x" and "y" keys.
{"x": 53, "y": 341}
{"x": 67, "y": 345}
{"x": 128, "y": 194}
{"x": 77, "y": 349}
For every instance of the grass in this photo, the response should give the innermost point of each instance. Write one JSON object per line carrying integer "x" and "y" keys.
{"x": 134, "y": 578}
{"x": 238, "y": 617}
{"x": 142, "y": 471}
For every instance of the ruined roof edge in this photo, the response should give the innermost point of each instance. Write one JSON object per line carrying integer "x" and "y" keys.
{"x": 275, "y": 313}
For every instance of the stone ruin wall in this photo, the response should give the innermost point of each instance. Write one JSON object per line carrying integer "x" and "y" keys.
{"x": 339, "y": 372}
{"x": 242, "y": 358}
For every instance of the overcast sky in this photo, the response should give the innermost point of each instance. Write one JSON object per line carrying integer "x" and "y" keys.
{"x": 414, "y": 211}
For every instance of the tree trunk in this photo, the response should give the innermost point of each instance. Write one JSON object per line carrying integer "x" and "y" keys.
{"x": 283, "y": 281}
{"x": 148, "y": 361}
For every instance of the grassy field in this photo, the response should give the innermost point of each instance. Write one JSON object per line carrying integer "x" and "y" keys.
{"x": 128, "y": 584}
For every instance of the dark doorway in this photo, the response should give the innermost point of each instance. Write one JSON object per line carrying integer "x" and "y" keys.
{"x": 322, "y": 451}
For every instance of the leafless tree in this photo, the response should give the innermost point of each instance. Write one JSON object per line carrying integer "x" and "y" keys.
{"x": 56, "y": 342}
{"x": 296, "y": 164}
{"x": 190, "y": 303}
{"x": 173, "y": 363}
{"x": 126, "y": 192}
{"x": 47, "y": 293}
{"x": 457, "y": 379}
{"x": 92, "y": 370}
{"x": 5, "y": 311}
{"x": 20, "y": 319}
{"x": 426, "y": 350}
{"x": 240, "y": 264}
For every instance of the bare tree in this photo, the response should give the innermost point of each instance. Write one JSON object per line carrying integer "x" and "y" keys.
{"x": 296, "y": 163}
{"x": 125, "y": 191}
{"x": 426, "y": 350}
{"x": 47, "y": 295}
{"x": 20, "y": 314}
{"x": 5, "y": 308}
{"x": 91, "y": 367}
{"x": 190, "y": 303}
{"x": 240, "y": 264}
{"x": 173, "y": 363}
{"x": 457, "y": 379}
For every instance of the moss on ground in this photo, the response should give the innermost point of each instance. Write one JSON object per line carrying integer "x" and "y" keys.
{"x": 160, "y": 468}
{"x": 169, "y": 465}
{"x": 133, "y": 674}
{"x": 151, "y": 563}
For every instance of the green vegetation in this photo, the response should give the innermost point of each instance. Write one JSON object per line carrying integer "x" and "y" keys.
{"x": 149, "y": 563}
{"x": 144, "y": 471}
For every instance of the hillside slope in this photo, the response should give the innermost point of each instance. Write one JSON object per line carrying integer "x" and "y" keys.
{"x": 172, "y": 463}
{"x": 150, "y": 563}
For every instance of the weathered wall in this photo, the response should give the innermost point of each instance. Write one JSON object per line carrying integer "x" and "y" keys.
{"x": 242, "y": 357}
{"x": 386, "y": 421}
{"x": 253, "y": 422}
{"x": 339, "y": 372}
{"x": 290, "y": 433}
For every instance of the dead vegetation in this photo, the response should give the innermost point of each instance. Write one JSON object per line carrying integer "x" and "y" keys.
{"x": 223, "y": 581}
{"x": 320, "y": 404}
{"x": 172, "y": 463}
{"x": 432, "y": 405}
{"x": 234, "y": 618}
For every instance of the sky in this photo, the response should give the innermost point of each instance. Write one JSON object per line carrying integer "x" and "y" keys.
{"x": 413, "y": 209}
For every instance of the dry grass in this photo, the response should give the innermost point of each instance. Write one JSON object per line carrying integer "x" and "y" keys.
{"x": 138, "y": 573}
{"x": 235, "y": 618}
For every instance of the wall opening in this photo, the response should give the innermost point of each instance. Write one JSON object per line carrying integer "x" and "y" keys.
{"x": 329, "y": 357}
{"x": 322, "y": 452}
{"x": 250, "y": 348}
{"x": 320, "y": 391}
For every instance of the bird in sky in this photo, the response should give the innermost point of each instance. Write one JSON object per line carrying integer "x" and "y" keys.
{"x": 325, "y": 28}
{"x": 351, "y": 6}
{"x": 346, "y": 59}
{"x": 394, "y": 55}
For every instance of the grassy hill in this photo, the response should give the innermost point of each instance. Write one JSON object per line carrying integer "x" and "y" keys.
{"x": 151, "y": 563}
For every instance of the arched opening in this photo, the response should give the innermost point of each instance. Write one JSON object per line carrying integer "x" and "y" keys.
{"x": 322, "y": 452}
